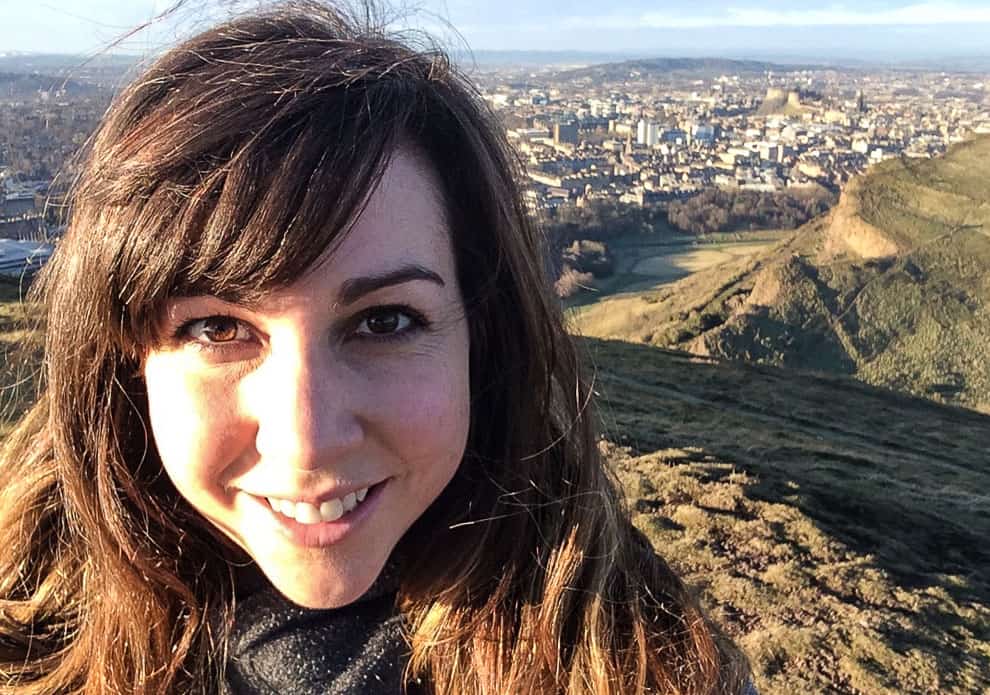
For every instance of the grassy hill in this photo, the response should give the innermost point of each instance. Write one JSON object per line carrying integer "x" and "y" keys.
{"x": 892, "y": 286}
{"x": 647, "y": 68}
{"x": 21, "y": 352}
{"x": 837, "y": 530}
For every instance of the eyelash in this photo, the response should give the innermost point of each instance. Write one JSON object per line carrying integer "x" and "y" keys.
{"x": 417, "y": 322}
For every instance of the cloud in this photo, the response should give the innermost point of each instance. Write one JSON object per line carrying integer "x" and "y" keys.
{"x": 917, "y": 14}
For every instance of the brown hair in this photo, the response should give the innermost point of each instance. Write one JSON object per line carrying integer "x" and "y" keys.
{"x": 212, "y": 174}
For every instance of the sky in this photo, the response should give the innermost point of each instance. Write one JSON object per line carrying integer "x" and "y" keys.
{"x": 885, "y": 30}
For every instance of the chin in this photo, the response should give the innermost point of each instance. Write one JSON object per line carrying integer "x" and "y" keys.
{"x": 324, "y": 586}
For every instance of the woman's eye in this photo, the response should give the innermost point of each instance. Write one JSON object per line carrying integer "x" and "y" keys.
{"x": 216, "y": 329}
{"x": 385, "y": 322}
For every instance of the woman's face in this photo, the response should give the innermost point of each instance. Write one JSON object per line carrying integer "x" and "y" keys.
{"x": 316, "y": 427}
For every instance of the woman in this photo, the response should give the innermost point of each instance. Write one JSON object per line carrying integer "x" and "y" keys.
{"x": 311, "y": 422}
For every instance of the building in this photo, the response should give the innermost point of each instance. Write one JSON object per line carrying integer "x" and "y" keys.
{"x": 647, "y": 133}
{"x": 565, "y": 133}
{"x": 705, "y": 133}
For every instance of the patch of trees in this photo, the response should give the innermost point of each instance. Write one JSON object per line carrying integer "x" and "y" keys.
{"x": 581, "y": 262}
{"x": 717, "y": 210}
{"x": 572, "y": 281}
{"x": 577, "y": 239}
{"x": 602, "y": 220}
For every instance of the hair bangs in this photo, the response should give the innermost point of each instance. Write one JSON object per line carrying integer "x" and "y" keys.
{"x": 277, "y": 207}
{"x": 277, "y": 210}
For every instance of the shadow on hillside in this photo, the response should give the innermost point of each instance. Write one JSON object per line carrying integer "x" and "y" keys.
{"x": 898, "y": 478}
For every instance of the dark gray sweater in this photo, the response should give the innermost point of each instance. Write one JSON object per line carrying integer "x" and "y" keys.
{"x": 278, "y": 648}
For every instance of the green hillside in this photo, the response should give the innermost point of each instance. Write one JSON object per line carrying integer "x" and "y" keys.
{"x": 20, "y": 355}
{"x": 892, "y": 286}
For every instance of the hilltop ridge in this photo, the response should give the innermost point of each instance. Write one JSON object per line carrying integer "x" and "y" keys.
{"x": 645, "y": 68}
{"x": 891, "y": 286}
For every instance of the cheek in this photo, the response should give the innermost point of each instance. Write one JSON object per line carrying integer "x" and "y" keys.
{"x": 428, "y": 411}
{"x": 432, "y": 412}
{"x": 192, "y": 424}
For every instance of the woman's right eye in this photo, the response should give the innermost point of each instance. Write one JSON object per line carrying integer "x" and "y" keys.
{"x": 215, "y": 330}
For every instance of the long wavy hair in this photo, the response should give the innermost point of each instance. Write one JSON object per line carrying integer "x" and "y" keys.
{"x": 229, "y": 168}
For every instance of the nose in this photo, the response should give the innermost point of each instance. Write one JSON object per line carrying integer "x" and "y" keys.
{"x": 304, "y": 406}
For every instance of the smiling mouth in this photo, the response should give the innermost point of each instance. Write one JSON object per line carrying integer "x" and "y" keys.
{"x": 307, "y": 513}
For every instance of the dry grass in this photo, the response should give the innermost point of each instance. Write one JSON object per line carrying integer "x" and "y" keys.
{"x": 838, "y": 531}
{"x": 21, "y": 346}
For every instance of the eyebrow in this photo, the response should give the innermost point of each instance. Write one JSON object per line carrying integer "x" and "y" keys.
{"x": 355, "y": 288}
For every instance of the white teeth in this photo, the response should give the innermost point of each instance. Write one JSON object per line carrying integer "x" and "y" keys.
{"x": 306, "y": 513}
{"x": 331, "y": 510}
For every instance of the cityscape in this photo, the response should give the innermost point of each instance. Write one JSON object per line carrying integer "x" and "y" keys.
{"x": 646, "y": 132}
{"x": 635, "y": 134}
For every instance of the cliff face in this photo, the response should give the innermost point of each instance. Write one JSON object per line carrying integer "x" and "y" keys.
{"x": 892, "y": 286}
{"x": 848, "y": 234}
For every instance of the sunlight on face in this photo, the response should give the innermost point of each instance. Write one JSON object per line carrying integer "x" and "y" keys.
{"x": 315, "y": 428}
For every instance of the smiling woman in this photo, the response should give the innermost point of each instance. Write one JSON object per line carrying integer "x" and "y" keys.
{"x": 311, "y": 421}
{"x": 271, "y": 420}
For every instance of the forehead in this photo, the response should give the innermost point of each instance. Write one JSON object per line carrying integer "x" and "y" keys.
{"x": 403, "y": 214}
{"x": 402, "y": 223}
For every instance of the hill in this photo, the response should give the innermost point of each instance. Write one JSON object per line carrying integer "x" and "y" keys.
{"x": 892, "y": 286}
{"x": 21, "y": 85}
{"x": 658, "y": 67}
{"x": 25, "y": 74}
{"x": 837, "y": 530}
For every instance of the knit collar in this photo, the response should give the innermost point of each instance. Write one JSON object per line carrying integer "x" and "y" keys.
{"x": 277, "y": 647}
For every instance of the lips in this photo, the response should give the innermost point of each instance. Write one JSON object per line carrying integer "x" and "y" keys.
{"x": 308, "y": 513}
{"x": 304, "y": 524}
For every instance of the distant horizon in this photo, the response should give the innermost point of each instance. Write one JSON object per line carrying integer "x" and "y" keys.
{"x": 871, "y": 31}
{"x": 543, "y": 57}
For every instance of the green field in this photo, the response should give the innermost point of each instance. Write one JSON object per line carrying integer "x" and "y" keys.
{"x": 644, "y": 264}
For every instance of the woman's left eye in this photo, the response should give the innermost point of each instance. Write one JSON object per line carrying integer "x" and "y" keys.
{"x": 386, "y": 322}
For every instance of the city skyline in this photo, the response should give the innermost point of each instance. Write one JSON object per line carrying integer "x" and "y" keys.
{"x": 870, "y": 30}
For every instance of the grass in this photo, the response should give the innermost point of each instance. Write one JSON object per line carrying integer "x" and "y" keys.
{"x": 837, "y": 530}
{"x": 20, "y": 355}
{"x": 644, "y": 264}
